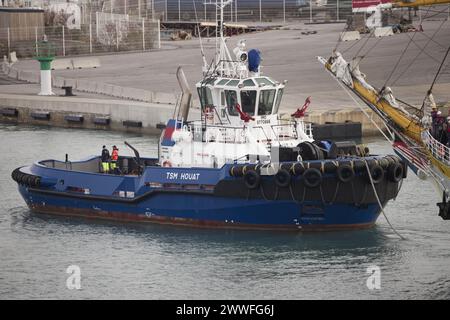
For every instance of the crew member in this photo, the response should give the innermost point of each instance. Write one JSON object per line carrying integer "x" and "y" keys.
{"x": 114, "y": 158}
{"x": 448, "y": 131}
{"x": 434, "y": 121}
{"x": 105, "y": 160}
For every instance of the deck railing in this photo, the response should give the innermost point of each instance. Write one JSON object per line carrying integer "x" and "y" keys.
{"x": 438, "y": 150}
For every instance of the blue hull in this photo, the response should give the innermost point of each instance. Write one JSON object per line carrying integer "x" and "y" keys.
{"x": 211, "y": 211}
{"x": 201, "y": 197}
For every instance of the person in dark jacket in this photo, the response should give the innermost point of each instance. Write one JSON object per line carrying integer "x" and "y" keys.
{"x": 105, "y": 160}
{"x": 434, "y": 121}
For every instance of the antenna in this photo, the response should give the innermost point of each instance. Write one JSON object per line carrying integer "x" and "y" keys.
{"x": 223, "y": 57}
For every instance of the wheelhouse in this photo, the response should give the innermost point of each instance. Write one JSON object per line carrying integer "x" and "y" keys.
{"x": 257, "y": 96}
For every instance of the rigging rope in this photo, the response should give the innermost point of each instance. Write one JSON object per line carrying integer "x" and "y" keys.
{"x": 379, "y": 202}
{"x": 422, "y": 50}
{"x": 403, "y": 53}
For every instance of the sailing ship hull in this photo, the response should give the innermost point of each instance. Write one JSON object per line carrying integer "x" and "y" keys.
{"x": 205, "y": 197}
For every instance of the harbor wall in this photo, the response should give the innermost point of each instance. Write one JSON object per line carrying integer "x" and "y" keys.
{"x": 117, "y": 115}
{"x": 132, "y": 116}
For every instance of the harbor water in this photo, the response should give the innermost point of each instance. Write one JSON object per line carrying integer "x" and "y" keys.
{"x": 130, "y": 261}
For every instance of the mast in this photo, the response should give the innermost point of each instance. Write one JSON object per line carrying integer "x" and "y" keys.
{"x": 222, "y": 60}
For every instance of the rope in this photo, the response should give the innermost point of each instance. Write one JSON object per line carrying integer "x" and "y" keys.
{"x": 378, "y": 200}
{"x": 422, "y": 50}
{"x": 403, "y": 53}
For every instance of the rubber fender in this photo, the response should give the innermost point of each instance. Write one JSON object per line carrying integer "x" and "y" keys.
{"x": 30, "y": 180}
{"x": 236, "y": 171}
{"x": 345, "y": 173}
{"x": 395, "y": 172}
{"x": 37, "y": 181}
{"x": 359, "y": 166}
{"x": 405, "y": 169}
{"x": 283, "y": 178}
{"x": 315, "y": 165}
{"x": 252, "y": 179}
{"x": 286, "y": 166}
{"x": 312, "y": 177}
{"x": 377, "y": 174}
{"x": 330, "y": 166}
{"x": 384, "y": 163}
{"x": 297, "y": 168}
{"x": 310, "y": 151}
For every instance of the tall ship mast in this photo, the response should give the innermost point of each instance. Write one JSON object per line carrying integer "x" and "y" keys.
{"x": 411, "y": 127}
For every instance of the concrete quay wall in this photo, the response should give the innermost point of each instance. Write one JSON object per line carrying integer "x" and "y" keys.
{"x": 117, "y": 115}
{"x": 133, "y": 116}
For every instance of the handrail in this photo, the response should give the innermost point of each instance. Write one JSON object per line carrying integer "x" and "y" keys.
{"x": 437, "y": 149}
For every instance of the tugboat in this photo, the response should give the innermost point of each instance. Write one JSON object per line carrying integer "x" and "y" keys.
{"x": 241, "y": 165}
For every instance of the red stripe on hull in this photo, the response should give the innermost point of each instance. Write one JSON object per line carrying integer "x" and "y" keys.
{"x": 133, "y": 218}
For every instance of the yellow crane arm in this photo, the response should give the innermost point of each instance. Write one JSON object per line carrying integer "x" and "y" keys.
{"x": 417, "y": 3}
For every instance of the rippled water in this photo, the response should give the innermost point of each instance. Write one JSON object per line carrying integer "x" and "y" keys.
{"x": 126, "y": 261}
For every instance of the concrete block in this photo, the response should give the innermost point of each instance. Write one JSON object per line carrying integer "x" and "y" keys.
{"x": 383, "y": 32}
{"x": 29, "y": 76}
{"x": 140, "y": 95}
{"x": 165, "y": 98}
{"x": 62, "y": 64}
{"x": 350, "y": 36}
{"x": 58, "y": 82}
{"x": 13, "y": 57}
{"x": 70, "y": 83}
{"x": 117, "y": 91}
{"x": 81, "y": 63}
{"x": 87, "y": 86}
{"x": 104, "y": 88}
{"x": 13, "y": 73}
{"x": 5, "y": 67}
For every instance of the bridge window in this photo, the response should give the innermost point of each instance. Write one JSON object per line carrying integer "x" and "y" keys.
{"x": 264, "y": 82}
{"x": 266, "y": 98}
{"x": 233, "y": 83}
{"x": 248, "y": 83}
{"x": 248, "y": 101}
{"x": 204, "y": 93}
{"x": 278, "y": 102}
{"x": 231, "y": 98}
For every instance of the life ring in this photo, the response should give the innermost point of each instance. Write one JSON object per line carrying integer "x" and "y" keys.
{"x": 395, "y": 172}
{"x": 312, "y": 178}
{"x": 345, "y": 173}
{"x": 283, "y": 178}
{"x": 252, "y": 179}
{"x": 377, "y": 174}
{"x": 167, "y": 164}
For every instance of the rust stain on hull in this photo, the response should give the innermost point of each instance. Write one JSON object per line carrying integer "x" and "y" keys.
{"x": 162, "y": 220}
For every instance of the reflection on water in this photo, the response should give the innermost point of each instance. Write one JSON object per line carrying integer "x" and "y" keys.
{"x": 120, "y": 260}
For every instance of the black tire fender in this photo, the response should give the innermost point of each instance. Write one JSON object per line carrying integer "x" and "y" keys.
{"x": 377, "y": 174}
{"x": 345, "y": 173}
{"x": 252, "y": 179}
{"x": 312, "y": 177}
{"x": 395, "y": 172}
{"x": 283, "y": 178}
